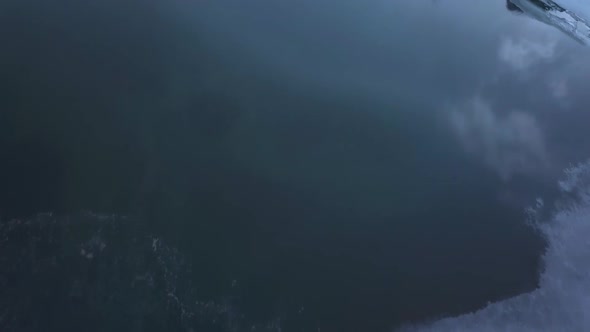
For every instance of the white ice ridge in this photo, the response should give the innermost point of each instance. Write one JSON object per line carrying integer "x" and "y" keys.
{"x": 569, "y": 16}
{"x": 562, "y": 301}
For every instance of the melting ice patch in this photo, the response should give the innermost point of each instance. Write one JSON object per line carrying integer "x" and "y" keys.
{"x": 562, "y": 301}
{"x": 569, "y": 16}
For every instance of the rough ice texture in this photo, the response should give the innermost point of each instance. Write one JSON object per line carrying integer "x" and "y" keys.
{"x": 93, "y": 272}
{"x": 569, "y": 16}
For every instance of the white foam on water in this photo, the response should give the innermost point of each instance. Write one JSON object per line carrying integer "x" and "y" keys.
{"x": 562, "y": 301}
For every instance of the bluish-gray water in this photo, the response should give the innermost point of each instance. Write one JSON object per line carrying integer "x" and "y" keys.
{"x": 289, "y": 166}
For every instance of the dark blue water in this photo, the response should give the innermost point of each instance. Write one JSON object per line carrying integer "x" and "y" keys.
{"x": 299, "y": 155}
